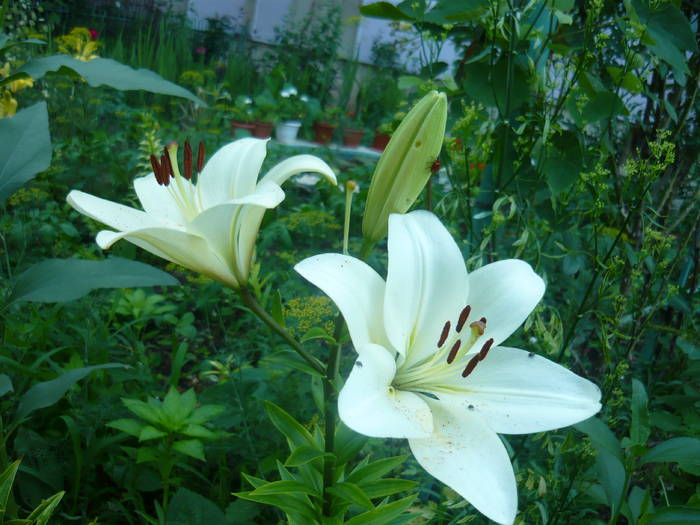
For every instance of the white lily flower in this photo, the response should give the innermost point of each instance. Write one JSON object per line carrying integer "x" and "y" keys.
{"x": 211, "y": 226}
{"x": 429, "y": 364}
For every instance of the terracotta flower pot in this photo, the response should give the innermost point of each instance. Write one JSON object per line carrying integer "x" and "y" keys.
{"x": 323, "y": 132}
{"x": 262, "y": 130}
{"x": 241, "y": 125}
{"x": 352, "y": 137}
{"x": 380, "y": 141}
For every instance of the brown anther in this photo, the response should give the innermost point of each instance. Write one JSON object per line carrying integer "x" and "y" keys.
{"x": 444, "y": 334}
{"x": 480, "y": 326}
{"x": 167, "y": 162}
{"x": 463, "y": 318}
{"x": 485, "y": 349}
{"x": 200, "y": 157}
{"x": 483, "y": 320}
{"x": 471, "y": 365}
{"x": 165, "y": 170}
{"x": 188, "y": 161}
{"x": 453, "y": 351}
{"x": 156, "y": 168}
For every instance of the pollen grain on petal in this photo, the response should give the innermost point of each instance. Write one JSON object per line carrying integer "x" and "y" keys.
{"x": 463, "y": 317}
{"x": 444, "y": 334}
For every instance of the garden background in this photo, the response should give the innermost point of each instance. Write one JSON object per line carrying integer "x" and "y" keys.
{"x": 571, "y": 143}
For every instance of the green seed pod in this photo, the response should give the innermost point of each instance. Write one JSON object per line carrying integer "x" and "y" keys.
{"x": 405, "y": 166}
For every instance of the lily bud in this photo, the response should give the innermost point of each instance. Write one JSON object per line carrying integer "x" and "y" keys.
{"x": 405, "y": 166}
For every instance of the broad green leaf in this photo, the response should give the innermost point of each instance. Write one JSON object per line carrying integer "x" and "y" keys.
{"x": 629, "y": 81}
{"x": 451, "y": 11}
{"x": 25, "y": 147}
{"x": 675, "y": 515}
{"x": 294, "y": 431}
{"x": 177, "y": 407}
{"x": 107, "y": 72}
{"x": 348, "y": 443}
{"x": 127, "y": 425}
{"x": 317, "y": 332}
{"x": 205, "y": 413}
{"x": 352, "y": 493}
{"x": 147, "y": 412}
{"x": 639, "y": 501}
{"x": 639, "y": 428}
{"x": 146, "y": 455}
{"x": 41, "y": 514}
{"x": 385, "y": 10}
{"x": 488, "y": 85}
{"x": 5, "y": 384}
{"x": 199, "y": 431}
{"x": 600, "y": 435}
{"x": 382, "y": 514}
{"x": 375, "y": 470}
{"x": 682, "y": 450}
{"x": 189, "y": 508}
{"x": 42, "y": 395}
{"x": 303, "y": 455}
{"x": 386, "y": 487}
{"x": 190, "y": 447}
{"x": 149, "y": 432}
{"x": 284, "y": 487}
{"x": 7, "y": 478}
{"x": 563, "y": 162}
{"x": 60, "y": 280}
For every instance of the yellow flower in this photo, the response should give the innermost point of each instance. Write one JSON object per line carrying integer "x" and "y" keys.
{"x": 8, "y": 105}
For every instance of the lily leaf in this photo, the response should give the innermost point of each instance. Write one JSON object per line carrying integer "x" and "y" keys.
{"x": 60, "y": 280}
{"x": 107, "y": 72}
{"x": 25, "y": 147}
{"x": 47, "y": 393}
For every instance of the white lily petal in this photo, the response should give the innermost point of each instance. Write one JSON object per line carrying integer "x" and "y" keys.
{"x": 114, "y": 215}
{"x": 356, "y": 289}
{"x": 157, "y": 200}
{"x": 184, "y": 248}
{"x": 298, "y": 164}
{"x": 517, "y": 392}
{"x": 232, "y": 171}
{"x": 426, "y": 283}
{"x": 369, "y": 405}
{"x": 504, "y": 292}
{"x": 465, "y": 454}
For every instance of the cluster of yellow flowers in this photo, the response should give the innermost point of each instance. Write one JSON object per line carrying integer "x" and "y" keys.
{"x": 8, "y": 103}
{"x": 80, "y": 43}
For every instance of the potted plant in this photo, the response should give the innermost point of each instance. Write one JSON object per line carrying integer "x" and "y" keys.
{"x": 242, "y": 115}
{"x": 291, "y": 111}
{"x": 326, "y": 124}
{"x": 352, "y": 131}
{"x": 265, "y": 114}
{"x": 382, "y": 134}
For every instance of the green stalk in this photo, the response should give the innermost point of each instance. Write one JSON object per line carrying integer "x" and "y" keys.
{"x": 252, "y": 303}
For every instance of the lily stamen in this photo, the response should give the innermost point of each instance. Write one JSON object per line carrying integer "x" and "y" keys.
{"x": 200, "y": 157}
{"x": 471, "y": 365}
{"x": 188, "y": 161}
{"x": 463, "y": 317}
{"x": 444, "y": 334}
{"x": 453, "y": 351}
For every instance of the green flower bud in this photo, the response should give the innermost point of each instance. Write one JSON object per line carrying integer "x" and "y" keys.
{"x": 405, "y": 166}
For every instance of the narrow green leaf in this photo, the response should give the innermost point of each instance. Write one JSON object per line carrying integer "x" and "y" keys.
{"x": 60, "y": 280}
{"x": 5, "y": 384}
{"x": 149, "y": 432}
{"x": 298, "y": 504}
{"x": 382, "y": 514}
{"x": 107, "y": 72}
{"x": 375, "y": 469}
{"x": 674, "y": 515}
{"x": 303, "y": 455}
{"x": 284, "y": 487}
{"x": 600, "y": 435}
{"x": 41, "y": 514}
{"x": 199, "y": 431}
{"x": 152, "y": 414}
{"x": 387, "y": 487}
{"x": 25, "y": 147}
{"x": 639, "y": 428}
{"x": 682, "y": 450}
{"x": 294, "y": 431}
{"x": 351, "y": 493}
{"x": 205, "y": 413}
{"x": 189, "y": 508}
{"x": 7, "y": 478}
{"x": 42, "y": 395}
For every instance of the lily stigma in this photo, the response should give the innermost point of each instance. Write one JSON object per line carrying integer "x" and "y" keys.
{"x": 430, "y": 365}
{"x": 211, "y": 225}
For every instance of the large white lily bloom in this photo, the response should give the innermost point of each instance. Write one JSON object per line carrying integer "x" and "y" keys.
{"x": 210, "y": 226}
{"x": 429, "y": 365}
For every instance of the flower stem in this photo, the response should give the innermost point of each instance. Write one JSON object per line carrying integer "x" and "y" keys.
{"x": 330, "y": 416}
{"x": 251, "y": 302}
